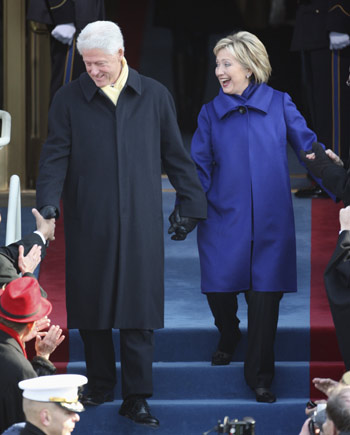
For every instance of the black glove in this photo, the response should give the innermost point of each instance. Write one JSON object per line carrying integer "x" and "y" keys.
{"x": 319, "y": 163}
{"x": 180, "y": 225}
{"x": 49, "y": 212}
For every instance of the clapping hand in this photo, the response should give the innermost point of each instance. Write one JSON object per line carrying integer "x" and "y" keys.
{"x": 47, "y": 342}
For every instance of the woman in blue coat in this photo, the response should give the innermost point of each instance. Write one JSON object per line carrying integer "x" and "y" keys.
{"x": 247, "y": 244}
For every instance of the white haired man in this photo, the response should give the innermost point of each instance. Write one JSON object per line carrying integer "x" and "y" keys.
{"x": 110, "y": 134}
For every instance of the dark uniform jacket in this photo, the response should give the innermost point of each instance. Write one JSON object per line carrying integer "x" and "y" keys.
{"x": 79, "y": 12}
{"x": 315, "y": 19}
{"x": 30, "y": 429}
{"x": 14, "y": 367}
{"x": 107, "y": 160}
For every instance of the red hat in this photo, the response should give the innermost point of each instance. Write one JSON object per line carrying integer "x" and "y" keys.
{"x": 21, "y": 301}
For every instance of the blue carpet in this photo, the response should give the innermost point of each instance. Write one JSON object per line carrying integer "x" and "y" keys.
{"x": 190, "y": 395}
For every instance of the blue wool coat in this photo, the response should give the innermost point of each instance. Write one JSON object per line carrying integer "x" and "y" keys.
{"x": 240, "y": 149}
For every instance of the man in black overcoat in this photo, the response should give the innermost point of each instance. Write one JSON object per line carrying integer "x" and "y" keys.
{"x": 322, "y": 36}
{"x": 337, "y": 283}
{"x": 65, "y": 19}
{"x": 110, "y": 133}
{"x": 328, "y": 167}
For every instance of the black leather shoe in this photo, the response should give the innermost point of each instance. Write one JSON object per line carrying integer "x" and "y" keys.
{"x": 220, "y": 358}
{"x": 93, "y": 398}
{"x": 264, "y": 395}
{"x": 311, "y": 192}
{"x": 137, "y": 409}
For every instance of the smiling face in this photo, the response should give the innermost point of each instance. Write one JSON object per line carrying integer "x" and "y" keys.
{"x": 231, "y": 74}
{"x": 103, "y": 68}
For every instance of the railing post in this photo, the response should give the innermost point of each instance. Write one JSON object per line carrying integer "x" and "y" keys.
{"x": 14, "y": 224}
{"x": 5, "y": 128}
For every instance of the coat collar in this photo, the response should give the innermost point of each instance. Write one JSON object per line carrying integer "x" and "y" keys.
{"x": 259, "y": 100}
{"x": 89, "y": 88}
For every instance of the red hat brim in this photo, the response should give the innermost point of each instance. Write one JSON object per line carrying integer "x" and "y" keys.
{"x": 44, "y": 310}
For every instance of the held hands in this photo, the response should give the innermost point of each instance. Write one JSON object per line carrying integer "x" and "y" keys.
{"x": 46, "y": 342}
{"x": 45, "y": 226}
{"x": 64, "y": 33}
{"x": 49, "y": 212}
{"x": 180, "y": 225}
{"x": 316, "y": 161}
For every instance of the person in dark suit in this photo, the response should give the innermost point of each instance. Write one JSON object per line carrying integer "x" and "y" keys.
{"x": 330, "y": 169}
{"x": 321, "y": 35}
{"x": 21, "y": 306}
{"x": 65, "y": 19}
{"x": 337, "y": 284}
{"x": 110, "y": 132}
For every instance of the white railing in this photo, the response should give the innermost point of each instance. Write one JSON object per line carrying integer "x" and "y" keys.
{"x": 14, "y": 225}
{"x": 5, "y": 128}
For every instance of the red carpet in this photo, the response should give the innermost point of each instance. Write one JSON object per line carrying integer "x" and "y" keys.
{"x": 325, "y": 358}
{"x": 52, "y": 279}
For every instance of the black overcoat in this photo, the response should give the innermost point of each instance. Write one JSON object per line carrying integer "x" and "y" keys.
{"x": 106, "y": 160}
{"x": 337, "y": 284}
{"x": 14, "y": 367}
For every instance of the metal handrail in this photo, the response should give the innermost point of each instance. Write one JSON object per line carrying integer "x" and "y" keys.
{"x": 13, "y": 224}
{"x": 5, "y": 128}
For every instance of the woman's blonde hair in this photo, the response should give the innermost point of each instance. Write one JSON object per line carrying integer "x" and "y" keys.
{"x": 250, "y": 53}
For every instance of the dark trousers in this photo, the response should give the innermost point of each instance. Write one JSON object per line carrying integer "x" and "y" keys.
{"x": 259, "y": 362}
{"x": 136, "y": 358}
{"x": 263, "y": 310}
{"x": 341, "y": 320}
{"x": 224, "y": 309}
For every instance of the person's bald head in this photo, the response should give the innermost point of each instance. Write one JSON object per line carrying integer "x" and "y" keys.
{"x": 51, "y": 418}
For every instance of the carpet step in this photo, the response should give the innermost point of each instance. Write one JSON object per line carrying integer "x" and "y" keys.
{"x": 180, "y": 344}
{"x": 194, "y": 417}
{"x": 199, "y": 380}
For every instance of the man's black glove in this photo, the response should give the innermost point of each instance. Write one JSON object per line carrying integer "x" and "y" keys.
{"x": 180, "y": 225}
{"x": 49, "y": 212}
{"x": 319, "y": 163}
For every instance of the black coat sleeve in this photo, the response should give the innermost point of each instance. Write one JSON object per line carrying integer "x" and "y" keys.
{"x": 178, "y": 164}
{"x": 337, "y": 180}
{"x": 337, "y": 273}
{"x": 11, "y": 251}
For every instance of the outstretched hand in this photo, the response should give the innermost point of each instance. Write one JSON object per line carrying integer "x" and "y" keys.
{"x": 325, "y": 385}
{"x": 29, "y": 262}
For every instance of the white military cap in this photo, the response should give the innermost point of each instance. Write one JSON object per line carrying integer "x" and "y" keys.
{"x": 60, "y": 389}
